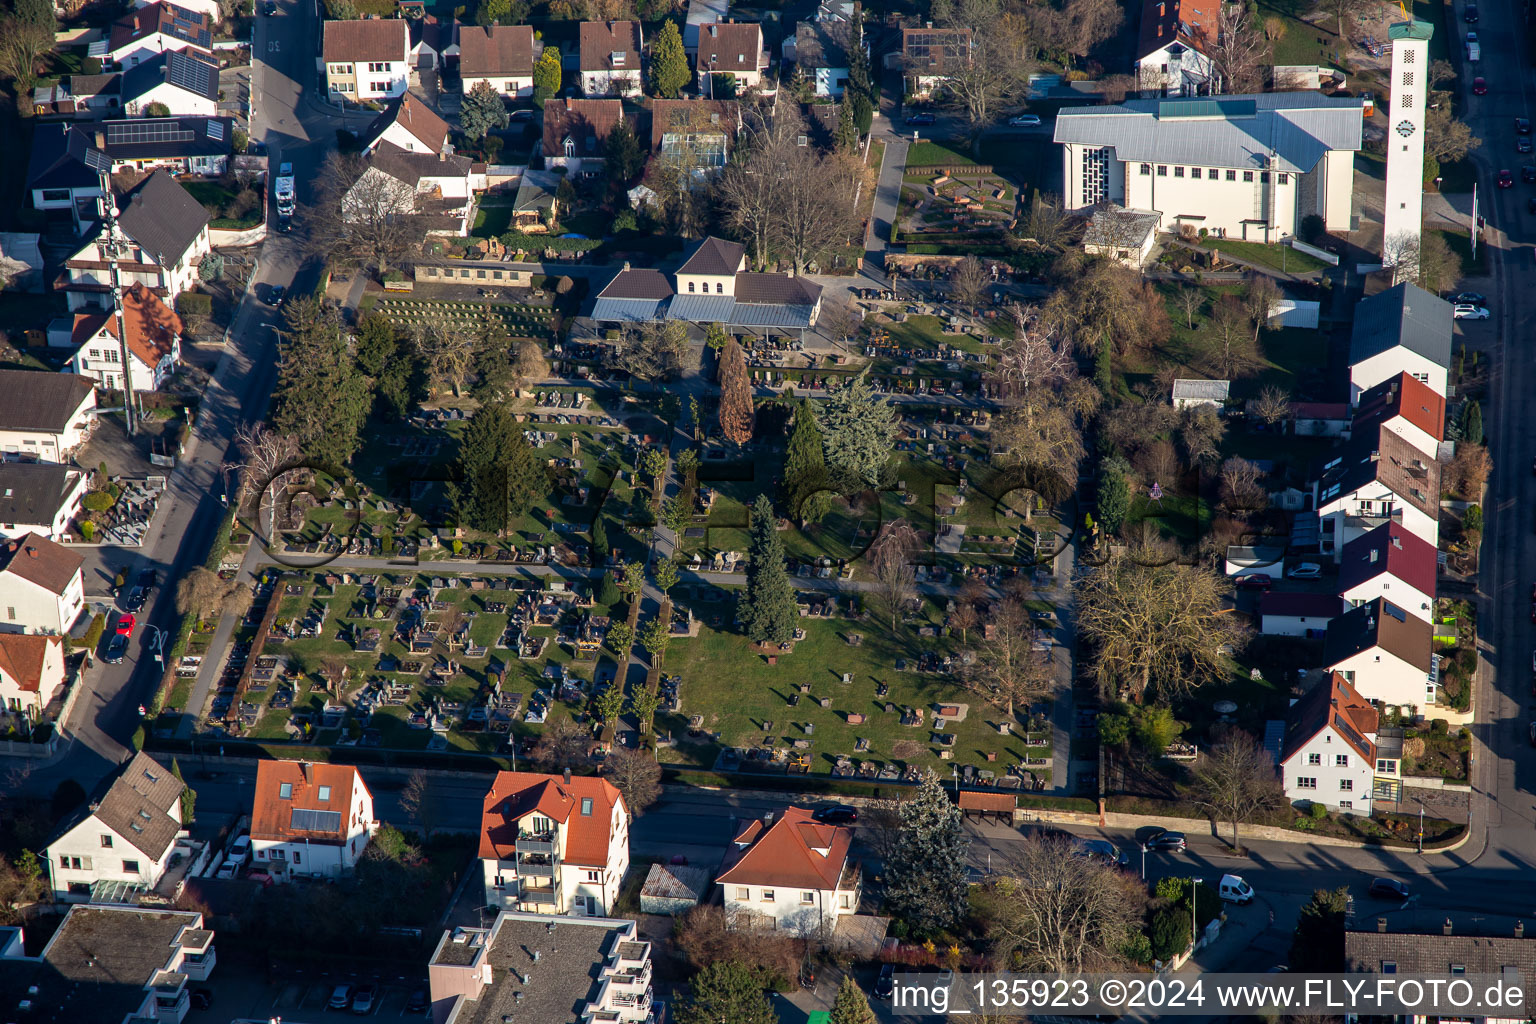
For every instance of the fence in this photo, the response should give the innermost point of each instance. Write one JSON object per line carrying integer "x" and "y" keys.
{"x": 1312, "y": 250}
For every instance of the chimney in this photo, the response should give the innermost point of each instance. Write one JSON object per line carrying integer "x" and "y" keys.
{"x": 626, "y": 264}
{"x": 101, "y": 140}
{"x": 1381, "y": 924}
{"x": 1519, "y": 929}
{"x": 304, "y": 770}
{"x": 567, "y": 776}
{"x": 31, "y": 551}
{"x": 1445, "y": 929}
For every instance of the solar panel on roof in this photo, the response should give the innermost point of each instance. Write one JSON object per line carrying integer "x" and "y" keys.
{"x": 216, "y": 130}
{"x": 315, "y": 821}
{"x": 192, "y": 75}
{"x": 139, "y": 133}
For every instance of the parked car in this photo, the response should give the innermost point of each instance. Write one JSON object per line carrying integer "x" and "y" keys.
{"x": 1025, "y": 121}
{"x": 1523, "y": 125}
{"x": 1305, "y": 571}
{"x": 275, "y": 295}
{"x": 1469, "y": 14}
{"x": 341, "y": 997}
{"x": 269, "y": 8}
{"x": 201, "y": 998}
{"x": 921, "y": 117}
{"x": 885, "y": 985}
{"x": 1505, "y": 180}
{"x": 418, "y": 1001}
{"x": 149, "y": 579}
{"x": 1389, "y": 889}
{"x": 240, "y": 850}
{"x": 1533, "y": 734}
{"x": 135, "y": 600}
{"x": 1254, "y": 581}
{"x": 1234, "y": 889}
{"x": 229, "y": 869}
{"x": 836, "y": 816}
{"x": 1166, "y": 840}
{"x": 1471, "y": 38}
{"x": 1467, "y": 311}
{"x": 366, "y": 998}
{"x": 1479, "y": 86}
{"x": 1522, "y": 144}
{"x": 1103, "y": 849}
{"x": 125, "y": 625}
{"x": 116, "y": 649}
{"x": 1475, "y": 298}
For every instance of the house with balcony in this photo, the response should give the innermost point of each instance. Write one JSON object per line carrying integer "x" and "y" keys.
{"x": 1390, "y": 562}
{"x": 164, "y": 237}
{"x": 1404, "y": 329}
{"x": 366, "y": 60}
{"x": 1386, "y": 654}
{"x": 734, "y": 49}
{"x": 42, "y": 586}
{"x": 554, "y": 844}
{"x": 152, "y": 30}
{"x": 153, "y": 343}
{"x": 610, "y": 58}
{"x": 1406, "y": 406}
{"x": 1375, "y": 478}
{"x": 791, "y": 874}
{"x": 537, "y": 968}
{"x": 118, "y": 964}
{"x": 39, "y": 497}
{"x": 31, "y": 672}
{"x": 309, "y": 820}
{"x": 46, "y": 416}
{"x": 118, "y": 845}
{"x": 1328, "y": 755}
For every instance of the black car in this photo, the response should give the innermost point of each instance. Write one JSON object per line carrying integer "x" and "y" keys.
{"x": 885, "y": 985}
{"x": 1530, "y": 205}
{"x": 921, "y": 117}
{"x": 1473, "y": 298}
{"x": 116, "y": 649}
{"x": 1523, "y": 125}
{"x": 1166, "y": 840}
{"x": 1528, "y": 174}
{"x": 201, "y": 998}
{"x": 836, "y": 816}
{"x": 1522, "y": 145}
{"x": 1389, "y": 889}
{"x": 135, "y": 600}
{"x": 149, "y": 579}
{"x": 269, "y": 8}
{"x": 1470, "y": 14}
{"x": 418, "y": 1001}
{"x": 275, "y": 295}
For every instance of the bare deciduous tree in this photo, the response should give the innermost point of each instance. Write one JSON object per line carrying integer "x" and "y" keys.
{"x": 984, "y": 78}
{"x": 1044, "y": 400}
{"x": 263, "y": 458}
{"x": 890, "y": 562}
{"x": 1272, "y": 405}
{"x": 636, "y": 775}
{"x": 1259, "y": 300}
{"x": 203, "y": 594}
{"x": 447, "y": 350}
{"x": 563, "y": 745}
{"x": 654, "y": 351}
{"x": 968, "y": 282}
{"x": 1201, "y": 432}
{"x": 1008, "y": 671}
{"x": 22, "y": 46}
{"x": 751, "y": 187}
{"x": 965, "y": 618}
{"x": 1191, "y": 301}
{"x": 1046, "y": 224}
{"x": 1237, "y": 780}
{"x": 1439, "y": 267}
{"x": 840, "y": 320}
{"x": 417, "y": 801}
{"x": 1159, "y": 625}
{"x": 1240, "y": 51}
{"x": 1234, "y": 346}
{"x": 1241, "y": 493}
{"x": 362, "y": 215}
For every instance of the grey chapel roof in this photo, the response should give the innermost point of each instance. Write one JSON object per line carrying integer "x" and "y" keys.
{"x": 1299, "y": 128}
{"x": 1406, "y": 315}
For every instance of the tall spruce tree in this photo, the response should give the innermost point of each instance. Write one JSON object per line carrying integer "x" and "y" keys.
{"x": 769, "y": 613}
{"x": 322, "y": 397}
{"x": 501, "y": 475}
{"x": 727, "y": 992}
{"x": 860, "y": 434}
{"x": 669, "y": 62}
{"x": 599, "y": 553}
{"x": 850, "y": 1006}
{"x": 847, "y": 134}
{"x": 806, "y": 486}
{"x": 925, "y": 874}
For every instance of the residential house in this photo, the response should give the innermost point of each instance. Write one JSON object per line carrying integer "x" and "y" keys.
{"x": 1174, "y": 46}
{"x": 1320, "y": 419}
{"x": 438, "y": 189}
{"x": 791, "y": 874}
{"x": 58, "y": 176}
{"x": 1246, "y": 167}
{"x": 434, "y": 43}
{"x": 929, "y": 56}
{"x": 820, "y": 51}
{"x": 1189, "y": 393}
{"x": 200, "y": 146}
{"x": 21, "y": 261}
{"x": 408, "y": 123}
{"x": 554, "y": 844}
{"x": 694, "y": 134}
{"x": 501, "y": 56}
{"x": 366, "y": 60}
{"x": 1375, "y": 477}
{"x": 701, "y": 13}
{"x": 712, "y": 286}
{"x": 154, "y": 343}
{"x": 46, "y": 416}
{"x": 152, "y": 30}
{"x": 610, "y": 58}
{"x": 576, "y": 132}
{"x": 185, "y": 84}
{"x": 112, "y": 964}
{"x": 1328, "y": 755}
{"x": 119, "y": 844}
{"x": 1446, "y": 951}
{"x": 1126, "y": 236}
{"x": 166, "y": 231}
{"x": 1390, "y": 562}
{"x": 733, "y": 48}
{"x": 1406, "y": 406}
{"x": 39, "y": 497}
{"x": 310, "y": 820}
{"x": 42, "y": 586}
{"x": 1296, "y": 613}
{"x": 1404, "y": 329}
{"x": 532, "y": 967}
{"x": 31, "y": 672}
{"x": 1384, "y": 653}
{"x": 207, "y": 8}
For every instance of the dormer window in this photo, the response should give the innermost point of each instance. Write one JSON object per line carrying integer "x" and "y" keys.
{"x": 586, "y": 807}
{"x": 570, "y": 146}
{"x": 617, "y": 56}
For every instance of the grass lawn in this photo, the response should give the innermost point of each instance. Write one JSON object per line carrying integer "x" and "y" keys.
{"x": 1460, "y": 243}
{"x": 927, "y": 334}
{"x": 1457, "y": 176}
{"x": 1302, "y": 43}
{"x": 936, "y": 154}
{"x": 1277, "y": 257}
{"x": 492, "y": 221}
{"x": 737, "y": 692}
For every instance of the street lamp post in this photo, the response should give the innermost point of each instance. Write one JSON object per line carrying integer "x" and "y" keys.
{"x": 1143, "y": 862}
{"x": 1194, "y": 924}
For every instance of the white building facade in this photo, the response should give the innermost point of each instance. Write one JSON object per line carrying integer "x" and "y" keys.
{"x": 42, "y": 586}
{"x": 1406, "y": 102}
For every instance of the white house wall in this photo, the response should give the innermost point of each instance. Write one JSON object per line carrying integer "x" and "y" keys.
{"x": 1324, "y": 781}
{"x": 1367, "y": 373}
{"x": 788, "y": 908}
{"x": 1409, "y": 598}
{"x": 1338, "y": 190}
{"x": 26, "y": 607}
{"x": 507, "y": 85}
{"x": 101, "y": 863}
{"x": 1381, "y": 676}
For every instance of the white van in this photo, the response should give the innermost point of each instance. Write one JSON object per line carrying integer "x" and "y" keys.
{"x": 1235, "y": 890}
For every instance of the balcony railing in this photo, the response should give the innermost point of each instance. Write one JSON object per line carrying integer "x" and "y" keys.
{"x": 638, "y": 1001}
{"x": 544, "y": 847}
{"x": 633, "y": 977}
{"x": 531, "y": 894}
{"x": 536, "y": 869}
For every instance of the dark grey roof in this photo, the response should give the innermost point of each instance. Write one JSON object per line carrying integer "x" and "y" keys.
{"x": 637, "y": 284}
{"x": 1378, "y": 623}
{"x": 1406, "y": 315}
{"x": 166, "y": 138}
{"x": 36, "y": 400}
{"x": 31, "y": 492}
{"x": 96, "y": 965}
{"x": 58, "y": 158}
{"x": 138, "y": 806}
{"x": 184, "y": 70}
{"x": 822, "y": 44}
{"x": 1378, "y": 455}
{"x": 714, "y": 256}
{"x": 566, "y": 977}
{"x": 412, "y": 167}
{"x": 1367, "y": 952}
{"x": 162, "y": 217}
{"x": 536, "y": 190}
{"x": 1297, "y": 128}
{"x": 777, "y": 288}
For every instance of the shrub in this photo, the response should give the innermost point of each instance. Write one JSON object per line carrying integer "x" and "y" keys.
{"x": 1318, "y": 811}
{"x": 1313, "y": 227}
{"x": 194, "y": 304}
{"x": 98, "y": 501}
{"x": 90, "y": 66}
{"x": 93, "y": 632}
{"x": 88, "y": 531}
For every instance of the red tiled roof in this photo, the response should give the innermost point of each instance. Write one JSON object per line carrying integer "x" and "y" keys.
{"x": 497, "y": 50}
{"x": 271, "y": 812}
{"x": 1334, "y": 704}
{"x": 152, "y": 325}
{"x": 515, "y": 795}
{"x": 21, "y": 658}
{"x": 1405, "y": 396}
{"x": 788, "y": 853}
{"x": 40, "y": 561}
{"x": 600, "y": 40}
{"x": 1276, "y": 602}
{"x": 353, "y": 41}
{"x": 579, "y": 119}
{"x": 733, "y": 46}
{"x": 1388, "y": 549}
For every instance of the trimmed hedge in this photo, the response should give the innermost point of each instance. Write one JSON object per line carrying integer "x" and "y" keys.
{"x": 537, "y": 243}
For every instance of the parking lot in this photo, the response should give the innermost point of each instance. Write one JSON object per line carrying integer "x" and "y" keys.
{"x": 239, "y": 995}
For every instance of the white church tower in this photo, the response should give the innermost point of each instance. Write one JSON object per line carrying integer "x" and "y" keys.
{"x": 1406, "y": 101}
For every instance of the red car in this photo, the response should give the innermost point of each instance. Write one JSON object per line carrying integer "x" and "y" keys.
{"x": 1479, "y": 87}
{"x": 125, "y": 624}
{"x": 1255, "y": 581}
{"x": 1506, "y": 180}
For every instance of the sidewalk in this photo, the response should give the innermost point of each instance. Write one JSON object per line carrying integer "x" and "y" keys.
{"x": 1243, "y": 925}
